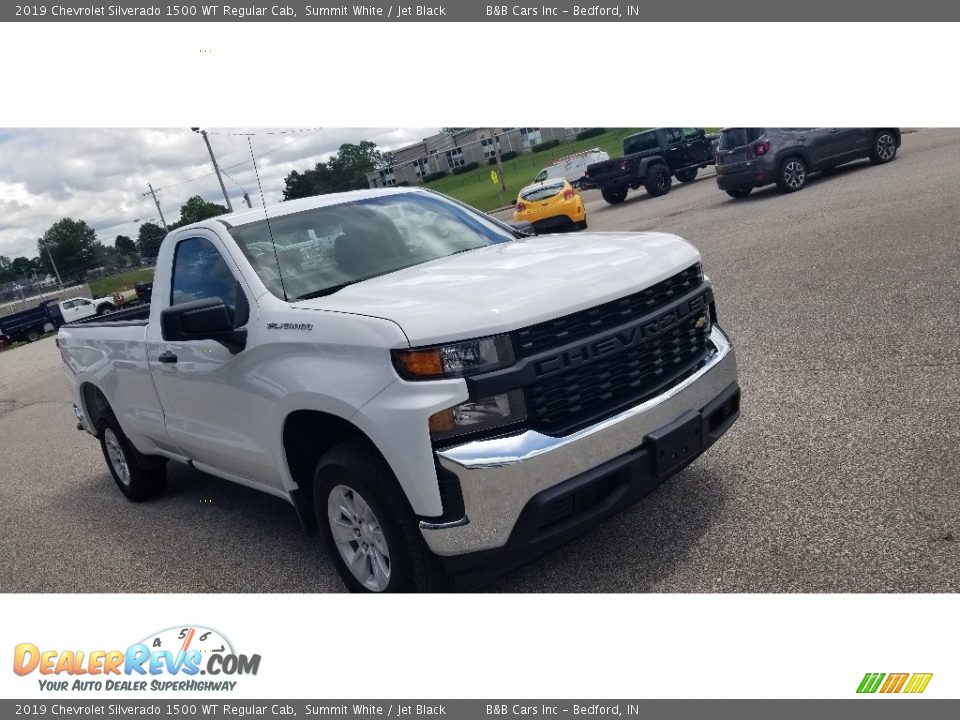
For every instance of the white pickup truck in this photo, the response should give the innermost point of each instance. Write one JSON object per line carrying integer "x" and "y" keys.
{"x": 434, "y": 393}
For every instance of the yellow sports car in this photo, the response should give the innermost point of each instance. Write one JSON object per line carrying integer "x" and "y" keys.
{"x": 550, "y": 206}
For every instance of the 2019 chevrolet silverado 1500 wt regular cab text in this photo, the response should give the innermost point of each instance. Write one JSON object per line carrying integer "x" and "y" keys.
{"x": 431, "y": 391}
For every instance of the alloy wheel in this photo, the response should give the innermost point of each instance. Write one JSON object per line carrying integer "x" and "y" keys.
{"x": 118, "y": 461}
{"x": 359, "y": 538}
{"x": 886, "y": 146}
{"x": 794, "y": 174}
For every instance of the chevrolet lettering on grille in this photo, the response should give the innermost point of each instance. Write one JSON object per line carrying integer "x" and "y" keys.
{"x": 621, "y": 340}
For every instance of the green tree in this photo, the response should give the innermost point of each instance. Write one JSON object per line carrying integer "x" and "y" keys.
{"x": 24, "y": 267}
{"x": 346, "y": 170}
{"x": 72, "y": 244}
{"x": 124, "y": 245}
{"x": 196, "y": 209}
{"x": 308, "y": 183}
{"x": 351, "y": 164}
{"x": 149, "y": 238}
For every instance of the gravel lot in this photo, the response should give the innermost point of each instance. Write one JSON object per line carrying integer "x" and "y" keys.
{"x": 842, "y": 475}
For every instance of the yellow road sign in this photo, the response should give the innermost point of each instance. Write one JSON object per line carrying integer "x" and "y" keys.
{"x": 494, "y": 178}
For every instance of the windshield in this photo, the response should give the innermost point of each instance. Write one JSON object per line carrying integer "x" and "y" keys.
{"x": 319, "y": 251}
{"x": 738, "y": 137}
{"x": 542, "y": 192}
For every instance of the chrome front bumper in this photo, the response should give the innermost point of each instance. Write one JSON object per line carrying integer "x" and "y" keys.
{"x": 499, "y": 476}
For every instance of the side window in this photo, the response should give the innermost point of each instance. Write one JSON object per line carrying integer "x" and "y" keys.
{"x": 671, "y": 135}
{"x": 200, "y": 272}
{"x": 691, "y": 134}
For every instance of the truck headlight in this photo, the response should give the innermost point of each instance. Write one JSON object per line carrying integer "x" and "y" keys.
{"x": 454, "y": 360}
{"x": 475, "y": 416}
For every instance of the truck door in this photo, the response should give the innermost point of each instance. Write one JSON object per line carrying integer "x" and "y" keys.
{"x": 671, "y": 140}
{"x": 696, "y": 148}
{"x": 211, "y": 408}
{"x": 77, "y": 309}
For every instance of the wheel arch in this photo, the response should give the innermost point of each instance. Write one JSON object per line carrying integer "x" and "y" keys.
{"x": 306, "y": 436}
{"x": 95, "y": 404}
{"x": 784, "y": 155}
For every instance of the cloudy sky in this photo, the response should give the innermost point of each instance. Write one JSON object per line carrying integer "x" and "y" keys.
{"x": 100, "y": 175}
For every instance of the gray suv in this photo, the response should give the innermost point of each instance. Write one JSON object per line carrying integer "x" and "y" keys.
{"x": 754, "y": 157}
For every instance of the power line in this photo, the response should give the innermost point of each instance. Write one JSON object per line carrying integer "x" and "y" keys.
{"x": 238, "y": 164}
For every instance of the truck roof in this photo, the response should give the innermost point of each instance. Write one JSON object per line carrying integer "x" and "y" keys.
{"x": 294, "y": 206}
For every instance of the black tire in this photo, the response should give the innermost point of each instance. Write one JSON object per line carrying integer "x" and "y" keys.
{"x": 792, "y": 175}
{"x": 688, "y": 175}
{"x": 33, "y": 335}
{"x": 4, "y": 343}
{"x": 105, "y": 308}
{"x": 739, "y": 192}
{"x": 884, "y": 148}
{"x": 582, "y": 225}
{"x": 145, "y": 477}
{"x": 657, "y": 181}
{"x": 355, "y": 466}
{"x": 614, "y": 195}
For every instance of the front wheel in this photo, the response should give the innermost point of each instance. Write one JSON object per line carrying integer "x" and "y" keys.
{"x": 138, "y": 477}
{"x": 884, "y": 148}
{"x": 793, "y": 175}
{"x": 657, "y": 180}
{"x": 614, "y": 195}
{"x": 582, "y": 225}
{"x": 370, "y": 531}
{"x": 740, "y": 192}
{"x": 686, "y": 176}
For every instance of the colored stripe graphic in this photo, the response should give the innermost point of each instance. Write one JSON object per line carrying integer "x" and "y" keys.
{"x": 870, "y": 682}
{"x": 918, "y": 683}
{"x": 894, "y": 683}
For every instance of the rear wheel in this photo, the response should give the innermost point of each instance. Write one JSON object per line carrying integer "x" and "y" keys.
{"x": 370, "y": 531}
{"x": 105, "y": 309}
{"x": 686, "y": 176}
{"x": 657, "y": 181}
{"x": 793, "y": 175}
{"x": 582, "y": 225}
{"x": 884, "y": 148}
{"x": 740, "y": 192}
{"x": 33, "y": 335}
{"x": 614, "y": 195}
{"x": 138, "y": 476}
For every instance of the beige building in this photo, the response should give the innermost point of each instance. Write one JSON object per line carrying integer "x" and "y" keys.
{"x": 445, "y": 152}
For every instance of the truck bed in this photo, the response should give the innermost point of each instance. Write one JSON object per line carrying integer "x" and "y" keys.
{"x": 137, "y": 315}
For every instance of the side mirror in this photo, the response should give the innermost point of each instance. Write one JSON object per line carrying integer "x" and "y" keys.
{"x": 207, "y": 319}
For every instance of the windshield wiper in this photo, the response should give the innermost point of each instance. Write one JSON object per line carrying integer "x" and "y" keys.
{"x": 327, "y": 290}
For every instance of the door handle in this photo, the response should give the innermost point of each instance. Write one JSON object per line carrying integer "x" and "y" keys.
{"x": 167, "y": 357}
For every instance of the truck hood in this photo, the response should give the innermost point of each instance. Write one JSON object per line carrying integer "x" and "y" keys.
{"x": 504, "y": 287}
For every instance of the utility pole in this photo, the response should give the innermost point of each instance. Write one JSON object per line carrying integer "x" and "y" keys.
{"x": 216, "y": 167}
{"x": 153, "y": 193}
{"x": 55, "y": 271}
{"x": 496, "y": 149}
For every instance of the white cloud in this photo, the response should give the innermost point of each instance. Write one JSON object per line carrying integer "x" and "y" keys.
{"x": 100, "y": 176}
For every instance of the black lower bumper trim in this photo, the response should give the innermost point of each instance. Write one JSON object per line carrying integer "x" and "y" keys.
{"x": 561, "y": 513}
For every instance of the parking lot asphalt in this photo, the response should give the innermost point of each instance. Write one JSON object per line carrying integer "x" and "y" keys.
{"x": 842, "y": 474}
